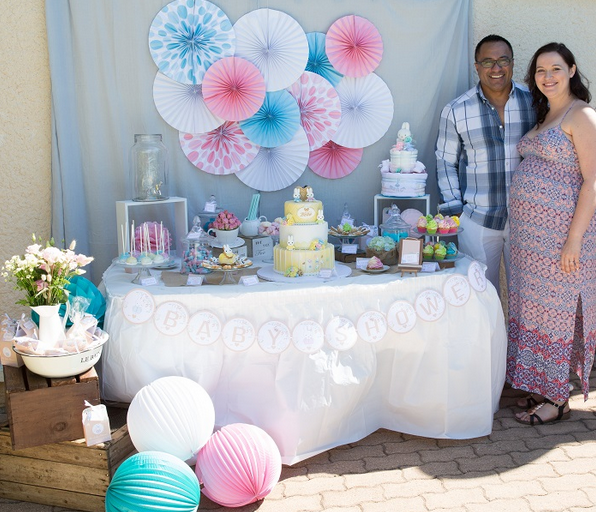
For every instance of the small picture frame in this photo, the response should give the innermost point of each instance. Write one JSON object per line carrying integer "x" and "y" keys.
{"x": 410, "y": 255}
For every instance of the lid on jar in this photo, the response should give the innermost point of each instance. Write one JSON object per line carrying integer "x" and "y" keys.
{"x": 197, "y": 233}
{"x": 395, "y": 221}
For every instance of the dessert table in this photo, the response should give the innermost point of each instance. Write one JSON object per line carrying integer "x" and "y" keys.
{"x": 318, "y": 364}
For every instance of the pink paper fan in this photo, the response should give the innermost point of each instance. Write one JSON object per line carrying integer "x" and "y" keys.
{"x": 224, "y": 150}
{"x": 334, "y": 161}
{"x": 233, "y": 88}
{"x": 354, "y": 46}
{"x": 320, "y": 108}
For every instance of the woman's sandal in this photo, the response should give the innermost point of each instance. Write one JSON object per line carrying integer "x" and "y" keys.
{"x": 528, "y": 402}
{"x": 535, "y": 419}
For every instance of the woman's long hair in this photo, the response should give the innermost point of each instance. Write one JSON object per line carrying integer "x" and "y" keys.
{"x": 577, "y": 83}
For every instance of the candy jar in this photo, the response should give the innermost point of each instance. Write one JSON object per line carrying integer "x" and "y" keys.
{"x": 149, "y": 168}
{"x": 196, "y": 249}
{"x": 395, "y": 227}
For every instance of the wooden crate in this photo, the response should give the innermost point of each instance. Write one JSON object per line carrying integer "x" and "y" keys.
{"x": 42, "y": 411}
{"x": 69, "y": 474}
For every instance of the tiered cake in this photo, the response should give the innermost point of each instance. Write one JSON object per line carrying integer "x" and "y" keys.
{"x": 303, "y": 247}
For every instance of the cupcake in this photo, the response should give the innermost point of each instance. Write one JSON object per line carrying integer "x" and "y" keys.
{"x": 374, "y": 264}
{"x": 421, "y": 224}
{"x": 443, "y": 226}
{"x": 451, "y": 251}
{"x": 440, "y": 253}
{"x": 428, "y": 252}
{"x": 452, "y": 224}
{"x": 455, "y": 219}
{"x": 431, "y": 227}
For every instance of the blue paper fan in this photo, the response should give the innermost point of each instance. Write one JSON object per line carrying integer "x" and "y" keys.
{"x": 318, "y": 62}
{"x": 187, "y": 36}
{"x": 275, "y": 123}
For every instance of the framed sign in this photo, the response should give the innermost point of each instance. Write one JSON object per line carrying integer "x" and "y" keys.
{"x": 410, "y": 255}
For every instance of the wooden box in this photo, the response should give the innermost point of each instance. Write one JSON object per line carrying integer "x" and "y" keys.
{"x": 42, "y": 411}
{"x": 68, "y": 474}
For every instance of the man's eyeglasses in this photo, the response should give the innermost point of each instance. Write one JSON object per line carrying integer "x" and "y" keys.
{"x": 503, "y": 62}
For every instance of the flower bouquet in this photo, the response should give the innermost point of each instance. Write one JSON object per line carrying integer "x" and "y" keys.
{"x": 225, "y": 227}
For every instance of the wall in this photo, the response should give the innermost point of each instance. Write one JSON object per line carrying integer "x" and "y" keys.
{"x": 25, "y": 143}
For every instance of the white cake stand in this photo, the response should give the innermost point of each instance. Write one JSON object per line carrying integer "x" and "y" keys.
{"x": 268, "y": 274}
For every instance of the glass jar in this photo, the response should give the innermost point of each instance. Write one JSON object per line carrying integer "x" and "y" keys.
{"x": 149, "y": 168}
{"x": 395, "y": 227}
{"x": 196, "y": 249}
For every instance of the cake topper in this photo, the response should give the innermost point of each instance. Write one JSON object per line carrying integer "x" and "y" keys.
{"x": 320, "y": 217}
{"x": 310, "y": 195}
{"x": 404, "y": 134}
{"x": 290, "y": 243}
{"x": 296, "y": 194}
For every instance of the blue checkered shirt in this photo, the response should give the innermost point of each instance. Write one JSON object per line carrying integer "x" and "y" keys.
{"x": 476, "y": 155}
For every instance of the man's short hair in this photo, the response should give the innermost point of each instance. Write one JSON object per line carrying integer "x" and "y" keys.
{"x": 492, "y": 38}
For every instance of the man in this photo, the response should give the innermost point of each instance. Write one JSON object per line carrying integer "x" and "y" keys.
{"x": 477, "y": 155}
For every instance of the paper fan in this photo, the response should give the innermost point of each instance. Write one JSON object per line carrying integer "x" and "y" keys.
{"x": 233, "y": 88}
{"x": 333, "y": 161}
{"x": 182, "y": 105}
{"x": 275, "y": 43}
{"x": 276, "y": 121}
{"x": 185, "y": 38}
{"x": 319, "y": 106}
{"x": 366, "y": 111}
{"x": 318, "y": 62}
{"x": 277, "y": 168}
{"x": 224, "y": 150}
{"x": 354, "y": 46}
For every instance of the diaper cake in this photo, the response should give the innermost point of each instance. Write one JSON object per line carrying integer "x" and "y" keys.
{"x": 303, "y": 247}
{"x": 403, "y": 175}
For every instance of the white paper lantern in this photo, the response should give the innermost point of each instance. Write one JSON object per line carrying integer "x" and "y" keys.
{"x": 174, "y": 415}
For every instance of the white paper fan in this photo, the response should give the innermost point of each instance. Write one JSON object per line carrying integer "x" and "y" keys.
{"x": 279, "y": 167}
{"x": 275, "y": 43}
{"x": 366, "y": 111}
{"x": 182, "y": 106}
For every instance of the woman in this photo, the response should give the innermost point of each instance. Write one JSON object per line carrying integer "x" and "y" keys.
{"x": 552, "y": 293}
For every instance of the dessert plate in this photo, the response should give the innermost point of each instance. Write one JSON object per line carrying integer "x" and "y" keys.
{"x": 236, "y": 243}
{"x": 375, "y": 270}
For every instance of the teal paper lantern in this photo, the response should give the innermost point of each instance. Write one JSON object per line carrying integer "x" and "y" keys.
{"x": 153, "y": 481}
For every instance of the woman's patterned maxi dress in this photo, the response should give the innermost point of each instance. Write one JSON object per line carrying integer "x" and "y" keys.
{"x": 552, "y": 315}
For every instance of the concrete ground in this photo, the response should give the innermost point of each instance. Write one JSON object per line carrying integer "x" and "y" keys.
{"x": 516, "y": 468}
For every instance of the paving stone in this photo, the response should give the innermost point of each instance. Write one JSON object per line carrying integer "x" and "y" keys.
{"x": 500, "y": 447}
{"x": 528, "y": 473}
{"x": 343, "y": 509}
{"x": 558, "y": 501}
{"x": 406, "y": 505}
{"x": 394, "y": 461}
{"x": 511, "y": 490}
{"x": 444, "y": 443}
{"x": 432, "y": 470}
{"x": 486, "y": 463}
{"x": 292, "y": 504}
{"x": 575, "y": 467}
{"x": 411, "y": 446}
{"x": 343, "y": 467}
{"x": 550, "y": 441}
{"x": 357, "y": 453}
{"x": 314, "y": 486}
{"x": 382, "y": 436}
{"x": 454, "y": 498}
{"x": 373, "y": 478}
{"x": 504, "y": 505}
{"x": 448, "y": 453}
{"x": 512, "y": 433}
{"x": 354, "y": 496}
{"x": 561, "y": 427}
{"x": 471, "y": 480}
{"x": 588, "y": 488}
{"x": 413, "y": 488}
{"x": 570, "y": 482}
{"x": 578, "y": 451}
{"x": 539, "y": 456}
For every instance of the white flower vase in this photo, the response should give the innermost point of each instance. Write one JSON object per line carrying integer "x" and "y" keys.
{"x": 51, "y": 324}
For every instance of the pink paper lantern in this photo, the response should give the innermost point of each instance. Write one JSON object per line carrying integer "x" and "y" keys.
{"x": 239, "y": 464}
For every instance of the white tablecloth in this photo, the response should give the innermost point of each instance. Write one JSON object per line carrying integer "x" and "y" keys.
{"x": 442, "y": 379}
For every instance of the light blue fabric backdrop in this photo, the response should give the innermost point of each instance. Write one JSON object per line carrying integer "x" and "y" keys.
{"x": 102, "y": 78}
